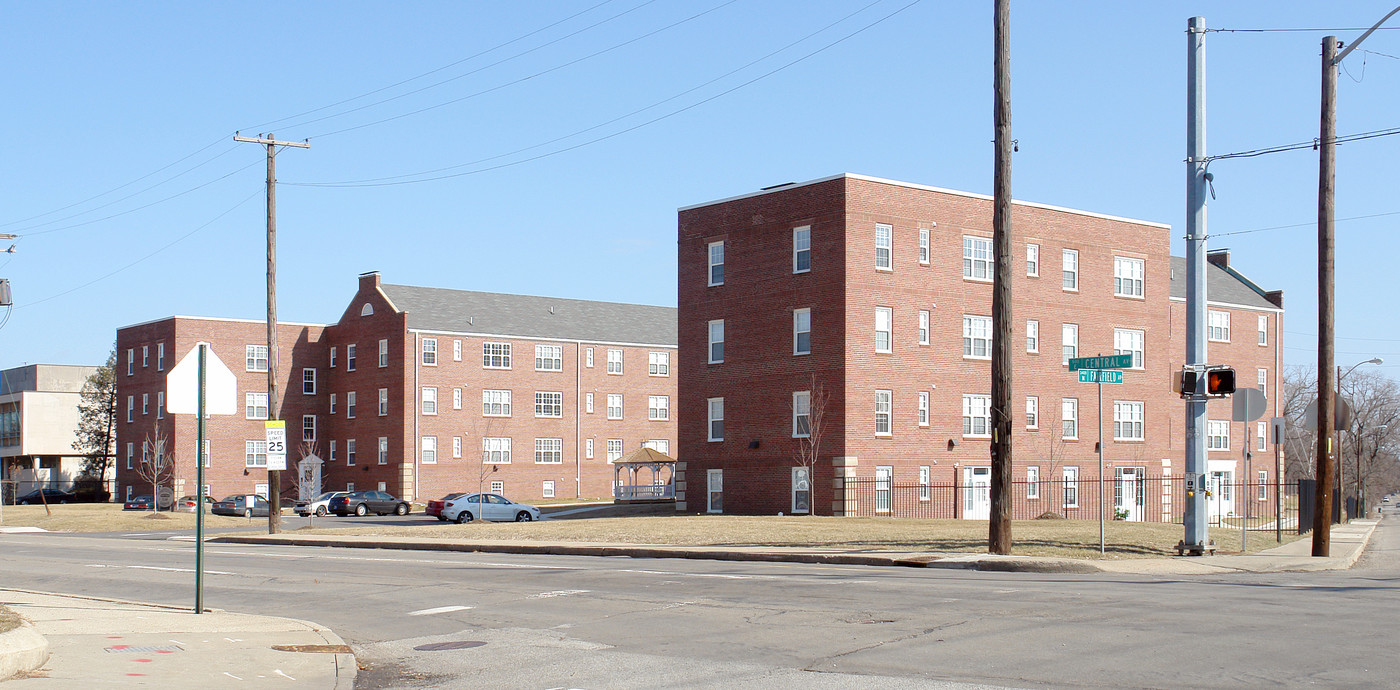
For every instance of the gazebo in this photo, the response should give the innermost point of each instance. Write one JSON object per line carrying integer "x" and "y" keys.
{"x": 654, "y": 485}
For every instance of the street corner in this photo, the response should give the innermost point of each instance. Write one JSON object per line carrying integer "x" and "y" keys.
{"x": 22, "y": 651}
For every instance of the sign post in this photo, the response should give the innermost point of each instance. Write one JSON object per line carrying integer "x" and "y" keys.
{"x": 1100, "y": 370}
{"x": 201, "y": 385}
{"x": 1247, "y": 405}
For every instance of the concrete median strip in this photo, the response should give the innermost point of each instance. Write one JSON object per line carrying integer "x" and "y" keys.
{"x": 22, "y": 650}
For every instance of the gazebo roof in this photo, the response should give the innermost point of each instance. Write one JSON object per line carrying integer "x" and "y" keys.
{"x": 644, "y": 456}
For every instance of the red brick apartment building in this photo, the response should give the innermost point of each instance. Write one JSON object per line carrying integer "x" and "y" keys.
{"x": 876, "y": 295}
{"x": 419, "y": 392}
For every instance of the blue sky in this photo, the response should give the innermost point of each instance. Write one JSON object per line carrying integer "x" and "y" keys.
{"x": 567, "y": 133}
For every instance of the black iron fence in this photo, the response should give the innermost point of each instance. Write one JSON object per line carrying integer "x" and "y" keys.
{"x": 1252, "y": 505}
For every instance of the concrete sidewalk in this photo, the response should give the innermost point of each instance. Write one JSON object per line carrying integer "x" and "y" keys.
{"x": 105, "y": 642}
{"x": 1347, "y": 543}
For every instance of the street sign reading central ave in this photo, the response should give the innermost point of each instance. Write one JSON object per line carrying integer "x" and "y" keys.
{"x": 1106, "y": 362}
{"x": 1100, "y": 376}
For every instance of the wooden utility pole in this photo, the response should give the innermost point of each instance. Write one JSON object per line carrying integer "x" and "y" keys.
{"x": 999, "y": 529}
{"x": 274, "y": 410}
{"x": 1326, "y": 303}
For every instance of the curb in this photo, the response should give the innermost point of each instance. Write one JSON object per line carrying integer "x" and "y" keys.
{"x": 21, "y": 650}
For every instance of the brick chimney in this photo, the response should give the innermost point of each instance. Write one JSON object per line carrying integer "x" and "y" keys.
{"x": 369, "y": 280}
{"x": 1219, "y": 257}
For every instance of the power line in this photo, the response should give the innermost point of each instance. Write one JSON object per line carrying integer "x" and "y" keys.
{"x": 614, "y": 134}
{"x": 1312, "y": 144}
{"x": 1303, "y": 30}
{"x": 1311, "y": 224}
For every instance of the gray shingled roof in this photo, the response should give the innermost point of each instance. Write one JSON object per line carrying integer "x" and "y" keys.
{"x": 1228, "y": 287}
{"x": 464, "y": 311}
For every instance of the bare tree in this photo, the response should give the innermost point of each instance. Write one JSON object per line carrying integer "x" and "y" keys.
{"x": 308, "y": 484}
{"x": 1299, "y": 444}
{"x": 1375, "y": 427}
{"x": 157, "y": 464}
{"x": 809, "y": 426}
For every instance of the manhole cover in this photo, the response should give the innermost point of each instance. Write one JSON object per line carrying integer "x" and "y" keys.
{"x": 444, "y": 646}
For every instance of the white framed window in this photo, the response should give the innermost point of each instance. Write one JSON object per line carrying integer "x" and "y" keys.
{"x": 549, "y": 358}
{"x": 547, "y": 489}
{"x": 145, "y": 356}
{"x": 130, "y": 454}
{"x": 495, "y": 355}
{"x": 1261, "y": 434}
{"x": 429, "y": 399}
{"x": 308, "y": 381}
{"x": 923, "y": 326}
{"x": 331, "y": 459}
{"x": 1069, "y": 342}
{"x": 923, "y": 246}
{"x": 1032, "y": 336}
{"x": 1032, "y": 412}
{"x": 383, "y": 450}
{"x": 145, "y": 403}
{"x": 383, "y": 353}
{"x": 1218, "y": 326}
{"x": 456, "y": 446}
{"x": 130, "y": 406}
{"x": 1262, "y": 491}
{"x": 131, "y": 361}
{"x": 977, "y": 258}
{"x": 1069, "y": 418}
{"x": 308, "y": 427}
{"x": 925, "y": 477}
{"x": 1127, "y": 420}
{"x": 349, "y": 452}
{"x": 588, "y": 357}
{"x": 1032, "y": 260}
{"x": 350, "y": 351}
{"x": 977, "y": 337}
{"x": 658, "y": 364}
{"x": 884, "y": 241}
{"x": 588, "y": 448}
{"x": 456, "y": 398}
{"x": 160, "y": 356}
{"x": 549, "y": 404}
{"x": 658, "y": 407}
{"x": 802, "y": 414}
{"x": 429, "y": 450}
{"x": 383, "y": 402}
{"x": 456, "y": 350}
{"x": 160, "y": 405}
{"x": 255, "y": 405}
{"x": 614, "y": 406}
{"x": 256, "y": 358}
{"x": 1071, "y": 485}
{"x": 659, "y": 445}
{"x": 977, "y": 415}
{"x": 1264, "y": 382}
{"x": 715, "y": 424}
{"x": 884, "y": 413}
{"x": 429, "y": 352}
{"x": 255, "y": 453}
{"x": 1127, "y": 277}
{"x": 1263, "y": 330}
{"x": 349, "y": 486}
{"x": 923, "y": 408}
{"x": 498, "y": 487}
{"x": 884, "y": 329}
{"x": 588, "y": 403}
{"x": 549, "y": 451}
{"x": 1033, "y": 482}
{"x": 332, "y": 359}
{"x": 884, "y": 488}
{"x": 716, "y": 272}
{"x": 350, "y": 405}
{"x": 801, "y": 331}
{"x": 1217, "y": 435}
{"x": 1069, "y": 269}
{"x": 717, "y": 341}
{"x": 614, "y": 450}
{"x": 495, "y": 450}
{"x": 495, "y": 403}
{"x": 614, "y": 361}
{"x": 802, "y": 249}
{"x": 1130, "y": 342}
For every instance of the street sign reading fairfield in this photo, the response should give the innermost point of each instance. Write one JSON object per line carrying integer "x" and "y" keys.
{"x": 1104, "y": 362}
{"x": 1100, "y": 376}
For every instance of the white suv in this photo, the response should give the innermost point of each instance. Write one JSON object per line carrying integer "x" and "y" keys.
{"x": 319, "y": 505}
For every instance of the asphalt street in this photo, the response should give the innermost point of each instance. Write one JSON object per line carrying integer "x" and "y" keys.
{"x": 429, "y": 619}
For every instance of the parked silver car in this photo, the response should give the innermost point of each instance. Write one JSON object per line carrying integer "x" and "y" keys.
{"x": 247, "y": 505}
{"x": 491, "y": 507}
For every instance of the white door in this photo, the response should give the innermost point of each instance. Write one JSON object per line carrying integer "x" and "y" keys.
{"x": 714, "y": 480}
{"x": 1220, "y": 499}
{"x": 884, "y": 483}
{"x": 801, "y": 490}
{"x": 1128, "y": 493}
{"x": 977, "y": 493}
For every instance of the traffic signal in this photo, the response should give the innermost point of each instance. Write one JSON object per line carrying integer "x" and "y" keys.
{"x": 1188, "y": 382}
{"x": 1220, "y": 382}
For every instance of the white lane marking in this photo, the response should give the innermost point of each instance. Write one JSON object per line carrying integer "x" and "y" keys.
{"x": 440, "y": 609}
{"x": 279, "y": 672}
{"x": 234, "y": 639}
{"x": 557, "y": 593}
{"x": 719, "y": 575}
{"x": 230, "y": 675}
{"x": 152, "y": 567}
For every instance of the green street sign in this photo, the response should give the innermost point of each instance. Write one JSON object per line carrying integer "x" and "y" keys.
{"x": 1107, "y": 362}
{"x": 1100, "y": 376}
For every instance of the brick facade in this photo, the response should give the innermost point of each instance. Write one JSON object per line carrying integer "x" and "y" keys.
{"x": 844, "y": 289}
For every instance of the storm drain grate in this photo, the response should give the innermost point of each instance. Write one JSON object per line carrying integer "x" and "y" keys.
{"x": 444, "y": 646}
{"x": 125, "y": 649}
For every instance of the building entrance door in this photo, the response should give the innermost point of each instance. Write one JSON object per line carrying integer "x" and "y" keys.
{"x": 1128, "y": 492}
{"x": 977, "y": 493}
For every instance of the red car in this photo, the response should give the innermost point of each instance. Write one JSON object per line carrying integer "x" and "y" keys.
{"x": 435, "y": 506}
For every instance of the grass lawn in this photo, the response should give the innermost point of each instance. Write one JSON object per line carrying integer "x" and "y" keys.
{"x": 1062, "y": 538}
{"x": 109, "y": 517}
{"x": 9, "y": 620}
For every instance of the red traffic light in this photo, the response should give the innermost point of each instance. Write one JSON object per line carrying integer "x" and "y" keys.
{"x": 1220, "y": 382}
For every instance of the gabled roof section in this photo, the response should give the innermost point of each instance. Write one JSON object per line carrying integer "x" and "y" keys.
{"x": 1223, "y": 286}
{"x": 552, "y": 318}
